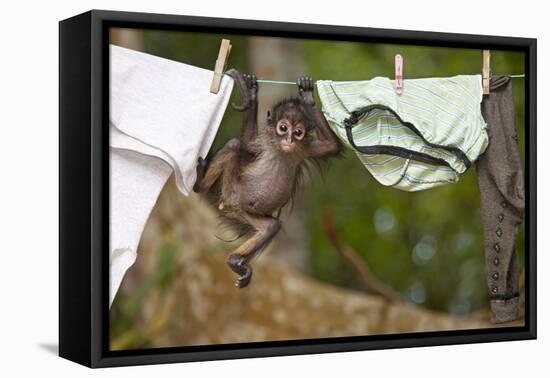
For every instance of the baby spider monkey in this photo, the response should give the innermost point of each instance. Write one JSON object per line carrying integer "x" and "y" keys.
{"x": 254, "y": 177}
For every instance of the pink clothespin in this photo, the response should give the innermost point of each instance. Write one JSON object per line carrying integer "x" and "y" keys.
{"x": 399, "y": 74}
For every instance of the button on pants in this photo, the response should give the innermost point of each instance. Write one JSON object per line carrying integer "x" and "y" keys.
{"x": 502, "y": 190}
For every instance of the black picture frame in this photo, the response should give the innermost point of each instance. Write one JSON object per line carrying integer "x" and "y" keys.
{"x": 84, "y": 188}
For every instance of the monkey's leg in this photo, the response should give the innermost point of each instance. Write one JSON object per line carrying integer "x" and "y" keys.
{"x": 266, "y": 228}
{"x": 202, "y": 166}
{"x": 248, "y": 85}
{"x": 209, "y": 172}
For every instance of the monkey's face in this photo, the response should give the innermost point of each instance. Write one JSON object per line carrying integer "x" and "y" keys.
{"x": 290, "y": 134}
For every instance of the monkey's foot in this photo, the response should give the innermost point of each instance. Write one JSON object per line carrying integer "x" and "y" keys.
{"x": 202, "y": 165}
{"x": 238, "y": 264}
{"x": 248, "y": 86}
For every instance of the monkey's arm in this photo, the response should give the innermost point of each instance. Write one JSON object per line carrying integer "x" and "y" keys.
{"x": 248, "y": 86}
{"x": 327, "y": 144}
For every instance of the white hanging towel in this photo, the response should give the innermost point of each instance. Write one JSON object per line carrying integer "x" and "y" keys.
{"x": 162, "y": 118}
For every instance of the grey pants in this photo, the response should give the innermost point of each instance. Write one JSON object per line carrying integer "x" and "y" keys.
{"x": 501, "y": 185}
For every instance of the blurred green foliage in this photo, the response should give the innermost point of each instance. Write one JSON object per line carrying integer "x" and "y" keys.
{"x": 125, "y": 335}
{"x": 427, "y": 245}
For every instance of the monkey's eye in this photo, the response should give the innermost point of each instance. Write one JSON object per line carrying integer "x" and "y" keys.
{"x": 299, "y": 134}
{"x": 282, "y": 128}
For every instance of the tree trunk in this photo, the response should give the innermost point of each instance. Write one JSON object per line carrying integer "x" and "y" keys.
{"x": 129, "y": 38}
{"x": 281, "y": 59}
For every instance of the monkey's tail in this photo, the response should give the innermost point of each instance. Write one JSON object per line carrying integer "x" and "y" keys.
{"x": 239, "y": 228}
{"x": 238, "y": 77}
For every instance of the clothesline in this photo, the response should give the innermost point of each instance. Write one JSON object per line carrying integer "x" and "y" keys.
{"x": 294, "y": 83}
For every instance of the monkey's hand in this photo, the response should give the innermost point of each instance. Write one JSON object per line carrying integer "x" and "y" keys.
{"x": 248, "y": 85}
{"x": 305, "y": 86}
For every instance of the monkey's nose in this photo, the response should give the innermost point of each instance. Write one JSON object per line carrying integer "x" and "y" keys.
{"x": 287, "y": 145}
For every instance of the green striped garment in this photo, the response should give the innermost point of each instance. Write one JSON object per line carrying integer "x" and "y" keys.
{"x": 420, "y": 139}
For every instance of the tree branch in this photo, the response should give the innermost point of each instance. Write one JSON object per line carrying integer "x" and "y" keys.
{"x": 356, "y": 262}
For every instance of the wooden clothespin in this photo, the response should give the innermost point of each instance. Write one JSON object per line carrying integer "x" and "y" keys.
{"x": 223, "y": 54}
{"x": 399, "y": 74}
{"x": 486, "y": 71}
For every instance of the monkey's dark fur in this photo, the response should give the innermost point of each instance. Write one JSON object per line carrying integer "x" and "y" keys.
{"x": 254, "y": 177}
